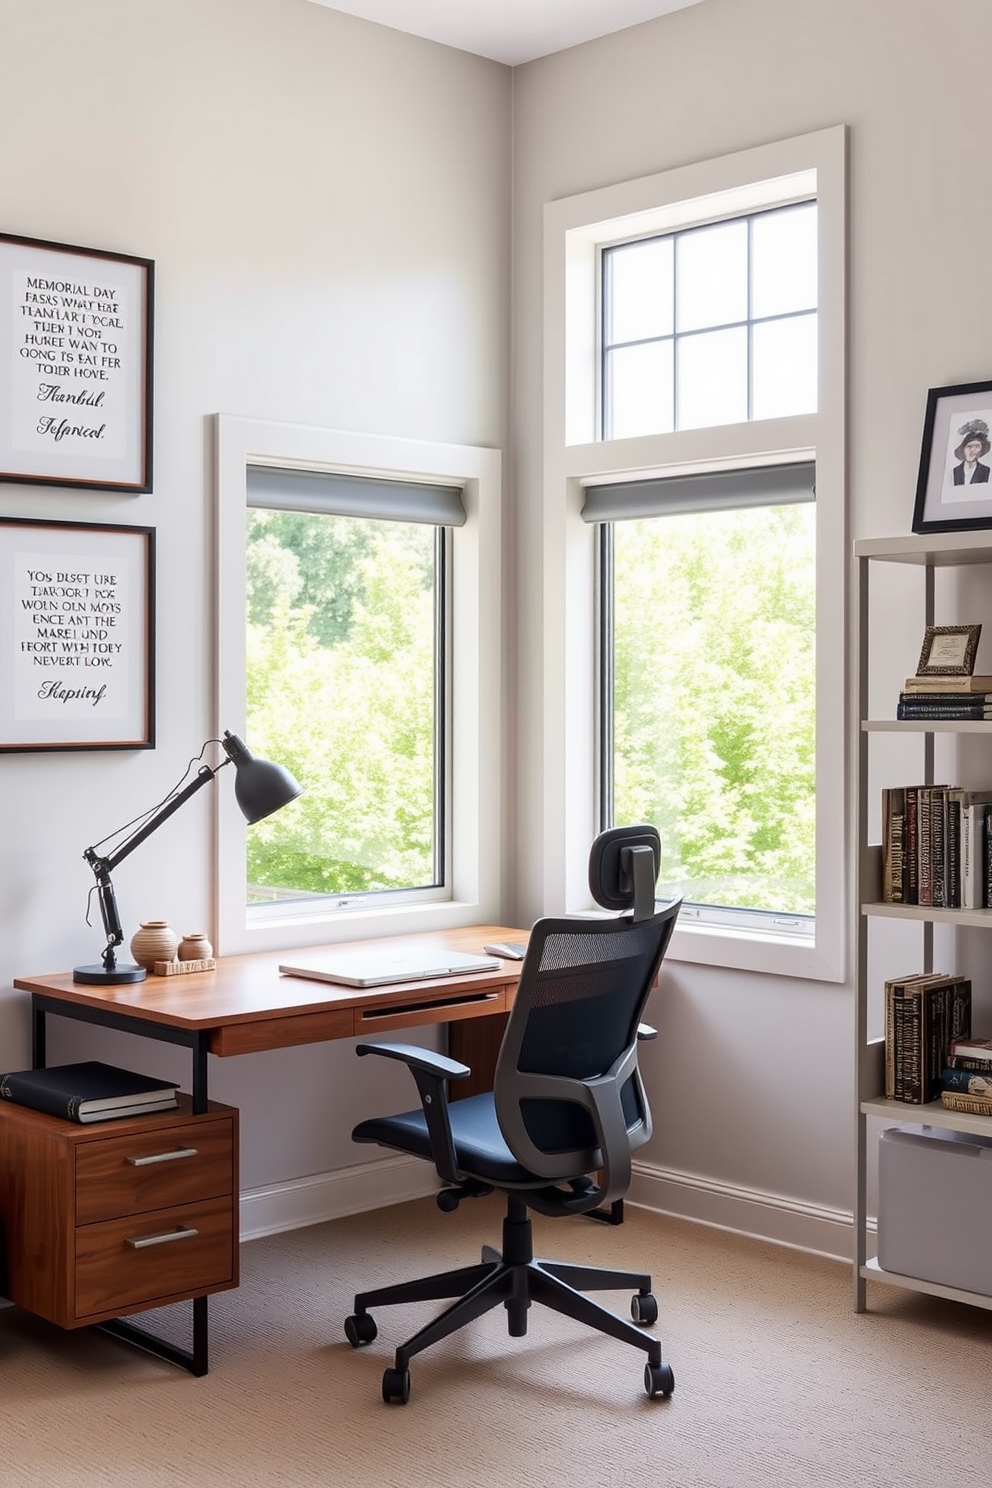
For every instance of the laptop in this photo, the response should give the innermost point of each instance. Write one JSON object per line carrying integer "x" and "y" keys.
{"x": 377, "y": 968}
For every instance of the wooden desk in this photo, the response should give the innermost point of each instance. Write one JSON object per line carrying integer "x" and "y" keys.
{"x": 243, "y": 1007}
{"x": 246, "y": 1006}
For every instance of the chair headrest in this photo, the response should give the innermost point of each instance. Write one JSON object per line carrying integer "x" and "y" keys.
{"x": 623, "y": 868}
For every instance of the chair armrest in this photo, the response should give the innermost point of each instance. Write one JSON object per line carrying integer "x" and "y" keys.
{"x": 645, "y": 1033}
{"x": 419, "y": 1059}
{"x": 430, "y": 1071}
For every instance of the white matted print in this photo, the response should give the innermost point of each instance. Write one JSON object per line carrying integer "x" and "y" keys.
{"x": 76, "y": 636}
{"x": 954, "y": 489}
{"x": 75, "y": 366}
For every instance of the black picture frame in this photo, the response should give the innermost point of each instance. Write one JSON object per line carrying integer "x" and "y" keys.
{"x": 77, "y": 635}
{"x": 76, "y": 342}
{"x": 950, "y": 496}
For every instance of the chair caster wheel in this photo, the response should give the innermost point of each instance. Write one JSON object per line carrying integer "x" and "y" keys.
{"x": 360, "y": 1328}
{"x": 644, "y": 1309}
{"x": 659, "y": 1379}
{"x": 396, "y": 1386}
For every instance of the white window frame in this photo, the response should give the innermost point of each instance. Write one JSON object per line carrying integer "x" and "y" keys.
{"x": 575, "y": 230}
{"x": 471, "y": 894}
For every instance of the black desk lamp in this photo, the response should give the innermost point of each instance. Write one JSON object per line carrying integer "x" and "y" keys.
{"x": 260, "y": 788}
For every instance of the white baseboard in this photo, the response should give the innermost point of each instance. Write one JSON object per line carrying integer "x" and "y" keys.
{"x": 395, "y": 1180}
{"x": 762, "y": 1216}
{"x": 323, "y": 1196}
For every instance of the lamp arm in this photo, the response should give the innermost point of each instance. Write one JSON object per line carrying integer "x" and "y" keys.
{"x": 106, "y": 865}
{"x": 103, "y": 866}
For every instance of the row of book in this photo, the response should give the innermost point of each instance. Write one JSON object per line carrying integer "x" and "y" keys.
{"x": 946, "y": 697}
{"x": 926, "y": 1014}
{"x": 936, "y": 846}
{"x": 89, "y": 1091}
{"x": 966, "y": 1083}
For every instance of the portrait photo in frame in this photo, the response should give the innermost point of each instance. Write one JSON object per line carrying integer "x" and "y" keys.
{"x": 949, "y": 651}
{"x": 77, "y": 635}
{"x": 75, "y": 366}
{"x": 954, "y": 489}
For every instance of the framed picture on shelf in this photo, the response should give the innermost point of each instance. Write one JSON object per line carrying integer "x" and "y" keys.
{"x": 953, "y": 489}
{"x": 949, "y": 651}
{"x": 75, "y": 366}
{"x": 77, "y": 635}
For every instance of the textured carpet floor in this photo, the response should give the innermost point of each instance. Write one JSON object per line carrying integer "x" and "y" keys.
{"x": 778, "y": 1382}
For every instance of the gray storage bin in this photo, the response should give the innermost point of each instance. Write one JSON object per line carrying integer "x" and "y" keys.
{"x": 935, "y": 1206}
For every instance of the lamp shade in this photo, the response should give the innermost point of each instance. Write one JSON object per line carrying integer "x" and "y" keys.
{"x": 260, "y": 787}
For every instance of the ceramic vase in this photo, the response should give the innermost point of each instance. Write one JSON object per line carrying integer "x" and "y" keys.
{"x": 154, "y": 941}
{"x": 195, "y": 947}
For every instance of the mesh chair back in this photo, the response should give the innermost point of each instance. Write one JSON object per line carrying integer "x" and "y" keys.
{"x": 568, "y": 1095}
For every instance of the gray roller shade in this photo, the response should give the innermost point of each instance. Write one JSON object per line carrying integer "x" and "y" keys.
{"x": 771, "y": 485}
{"x": 354, "y": 496}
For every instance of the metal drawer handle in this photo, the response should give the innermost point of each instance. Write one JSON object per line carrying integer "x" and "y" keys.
{"x": 155, "y": 1157}
{"x": 182, "y": 1233}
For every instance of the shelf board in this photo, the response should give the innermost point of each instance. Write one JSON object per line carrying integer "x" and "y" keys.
{"x": 926, "y": 725}
{"x": 940, "y": 549}
{"x": 872, "y": 1271}
{"x": 932, "y": 1114}
{"x": 980, "y": 919}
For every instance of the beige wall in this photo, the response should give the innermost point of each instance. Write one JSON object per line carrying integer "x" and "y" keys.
{"x": 326, "y": 202}
{"x": 751, "y": 1080}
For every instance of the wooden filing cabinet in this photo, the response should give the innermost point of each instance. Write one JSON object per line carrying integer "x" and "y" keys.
{"x": 117, "y": 1216}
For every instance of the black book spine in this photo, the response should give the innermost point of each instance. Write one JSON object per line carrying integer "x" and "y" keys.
{"x": 27, "y": 1093}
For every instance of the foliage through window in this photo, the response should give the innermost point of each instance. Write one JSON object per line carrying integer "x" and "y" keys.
{"x": 345, "y": 687}
{"x": 712, "y": 702}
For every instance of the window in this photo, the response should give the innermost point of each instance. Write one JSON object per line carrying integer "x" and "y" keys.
{"x": 708, "y": 708}
{"x": 696, "y": 619}
{"x": 359, "y": 640}
{"x": 346, "y": 656}
{"x": 711, "y": 325}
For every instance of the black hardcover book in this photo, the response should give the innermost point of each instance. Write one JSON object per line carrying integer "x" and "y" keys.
{"x": 90, "y": 1091}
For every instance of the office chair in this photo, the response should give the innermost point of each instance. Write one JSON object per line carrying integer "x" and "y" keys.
{"x": 556, "y": 1132}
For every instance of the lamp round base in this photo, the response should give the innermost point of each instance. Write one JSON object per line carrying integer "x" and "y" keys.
{"x": 98, "y": 975}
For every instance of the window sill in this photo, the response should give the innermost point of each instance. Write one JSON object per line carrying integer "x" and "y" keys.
{"x": 747, "y": 950}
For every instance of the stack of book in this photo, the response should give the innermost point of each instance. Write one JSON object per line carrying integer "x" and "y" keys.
{"x": 946, "y": 697}
{"x": 966, "y": 1082}
{"x": 936, "y": 846}
{"x": 926, "y": 1014}
{"x": 90, "y": 1091}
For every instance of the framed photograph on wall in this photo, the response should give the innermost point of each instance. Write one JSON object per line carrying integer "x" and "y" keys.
{"x": 75, "y": 366}
{"x": 954, "y": 489}
{"x": 77, "y": 635}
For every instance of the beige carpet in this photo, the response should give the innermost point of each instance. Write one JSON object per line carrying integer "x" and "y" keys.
{"x": 778, "y": 1382}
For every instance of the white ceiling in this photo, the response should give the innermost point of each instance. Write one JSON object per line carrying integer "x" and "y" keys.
{"x": 510, "y": 31}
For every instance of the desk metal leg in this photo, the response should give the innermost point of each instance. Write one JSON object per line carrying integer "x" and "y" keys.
{"x": 195, "y": 1359}
{"x": 37, "y": 1035}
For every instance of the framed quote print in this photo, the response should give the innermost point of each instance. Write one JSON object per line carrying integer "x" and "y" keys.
{"x": 77, "y": 635}
{"x": 75, "y": 366}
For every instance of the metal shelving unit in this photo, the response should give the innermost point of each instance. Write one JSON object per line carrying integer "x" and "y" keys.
{"x": 930, "y": 551}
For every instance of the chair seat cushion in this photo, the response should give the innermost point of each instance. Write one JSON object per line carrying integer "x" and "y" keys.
{"x": 480, "y": 1149}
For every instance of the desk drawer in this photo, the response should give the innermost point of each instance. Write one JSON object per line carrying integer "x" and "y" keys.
{"x": 127, "y": 1264}
{"x": 144, "y": 1170}
{"x": 419, "y": 1010}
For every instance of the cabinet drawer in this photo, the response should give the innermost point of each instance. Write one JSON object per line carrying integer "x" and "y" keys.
{"x": 156, "y": 1169}
{"x": 135, "y": 1262}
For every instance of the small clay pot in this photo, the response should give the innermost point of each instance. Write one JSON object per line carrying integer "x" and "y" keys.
{"x": 154, "y": 941}
{"x": 195, "y": 947}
